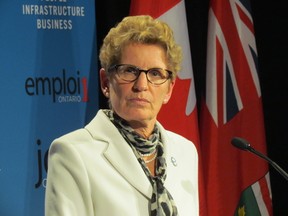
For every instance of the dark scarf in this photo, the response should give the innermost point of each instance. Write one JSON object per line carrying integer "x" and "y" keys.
{"x": 162, "y": 203}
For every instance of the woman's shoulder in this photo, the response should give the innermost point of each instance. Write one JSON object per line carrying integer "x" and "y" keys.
{"x": 179, "y": 139}
{"x": 170, "y": 135}
{"x": 73, "y": 136}
{"x": 175, "y": 140}
{"x": 87, "y": 133}
{"x": 71, "y": 140}
{"x": 177, "y": 136}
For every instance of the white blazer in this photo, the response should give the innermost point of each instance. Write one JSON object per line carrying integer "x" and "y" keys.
{"x": 94, "y": 172}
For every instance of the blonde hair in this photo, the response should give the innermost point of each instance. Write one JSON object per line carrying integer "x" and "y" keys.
{"x": 140, "y": 29}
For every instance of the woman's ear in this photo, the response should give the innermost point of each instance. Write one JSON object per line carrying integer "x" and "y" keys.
{"x": 169, "y": 93}
{"x": 104, "y": 82}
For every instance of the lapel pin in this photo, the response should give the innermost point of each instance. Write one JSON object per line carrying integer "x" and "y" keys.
{"x": 174, "y": 162}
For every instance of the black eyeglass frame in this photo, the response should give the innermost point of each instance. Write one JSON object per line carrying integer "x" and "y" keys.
{"x": 116, "y": 66}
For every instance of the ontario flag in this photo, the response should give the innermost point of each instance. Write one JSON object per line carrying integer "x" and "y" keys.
{"x": 180, "y": 114}
{"x": 237, "y": 182}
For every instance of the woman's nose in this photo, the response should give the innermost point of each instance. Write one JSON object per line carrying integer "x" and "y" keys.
{"x": 141, "y": 84}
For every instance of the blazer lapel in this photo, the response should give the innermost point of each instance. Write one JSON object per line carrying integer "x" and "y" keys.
{"x": 124, "y": 161}
{"x": 119, "y": 153}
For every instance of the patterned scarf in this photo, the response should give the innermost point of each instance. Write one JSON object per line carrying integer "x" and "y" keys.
{"x": 162, "y": 203}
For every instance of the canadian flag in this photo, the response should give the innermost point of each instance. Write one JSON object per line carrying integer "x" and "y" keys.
{"x": 180, "y": 114}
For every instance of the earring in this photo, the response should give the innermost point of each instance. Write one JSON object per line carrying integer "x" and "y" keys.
{"x": 106, "y": 92}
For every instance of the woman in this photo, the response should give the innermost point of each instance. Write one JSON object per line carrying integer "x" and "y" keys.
{"x": 124, "y": 162}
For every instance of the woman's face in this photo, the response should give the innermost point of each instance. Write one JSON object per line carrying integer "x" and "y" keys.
{"x": 138, "y": 102}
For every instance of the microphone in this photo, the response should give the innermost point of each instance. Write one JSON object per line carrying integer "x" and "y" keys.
{"x": 245, "y": 146}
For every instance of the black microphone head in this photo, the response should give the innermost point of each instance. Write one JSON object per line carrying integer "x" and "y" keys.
{"x": 240, "y": 143}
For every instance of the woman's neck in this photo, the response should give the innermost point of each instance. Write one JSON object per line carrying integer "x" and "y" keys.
{"x": 144, "y": 130}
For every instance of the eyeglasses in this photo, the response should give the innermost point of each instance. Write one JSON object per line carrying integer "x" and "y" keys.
{"x": 130, "y": 73}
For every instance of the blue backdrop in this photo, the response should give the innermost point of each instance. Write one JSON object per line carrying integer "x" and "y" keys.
{"x": 49, "y": 86}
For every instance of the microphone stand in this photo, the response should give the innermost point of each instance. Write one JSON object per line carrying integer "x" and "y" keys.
{"x": 271, "y": 162}
{"x": 244, "y": 145}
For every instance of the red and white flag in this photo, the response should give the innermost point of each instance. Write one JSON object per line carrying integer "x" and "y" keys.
{"x": 237, "y": 183}
{"x": 180, "y": 114}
